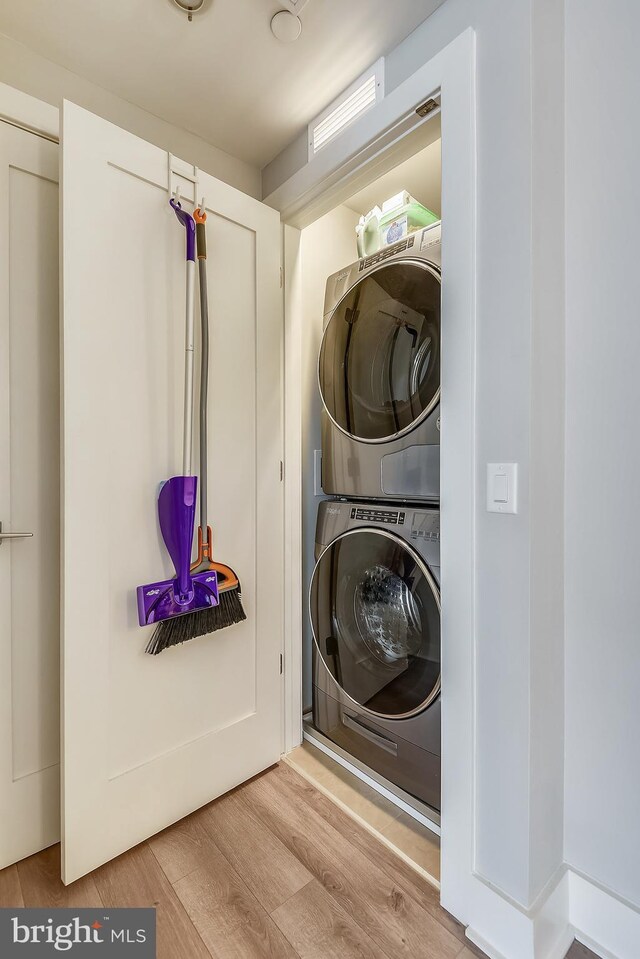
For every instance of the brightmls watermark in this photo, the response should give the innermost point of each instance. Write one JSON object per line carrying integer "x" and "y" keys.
{"x": 122, "y": 933}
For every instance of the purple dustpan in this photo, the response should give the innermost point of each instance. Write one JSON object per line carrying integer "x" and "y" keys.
{"x": 186, "y": 593}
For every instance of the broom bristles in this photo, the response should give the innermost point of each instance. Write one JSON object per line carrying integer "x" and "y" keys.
{"x": 179, "y": 629}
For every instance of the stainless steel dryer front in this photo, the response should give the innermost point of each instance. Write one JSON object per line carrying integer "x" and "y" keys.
{"x": 375, "y": 614}
{"x": 379, "y": 374}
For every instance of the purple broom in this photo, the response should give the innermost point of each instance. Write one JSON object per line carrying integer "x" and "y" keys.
{"x": 174, "y": 604}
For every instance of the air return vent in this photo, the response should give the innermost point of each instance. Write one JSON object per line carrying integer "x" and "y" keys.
{"x": 349, "y": 106}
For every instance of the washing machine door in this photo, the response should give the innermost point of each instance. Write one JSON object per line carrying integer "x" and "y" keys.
{"x": 375, "y": 613}
{"x": 379, "y": 366}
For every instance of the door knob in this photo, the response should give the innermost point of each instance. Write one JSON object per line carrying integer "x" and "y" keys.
{"x": 12, "y": 535}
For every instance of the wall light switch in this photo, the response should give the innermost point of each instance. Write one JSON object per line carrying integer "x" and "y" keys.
{"x": 502, "y": 487}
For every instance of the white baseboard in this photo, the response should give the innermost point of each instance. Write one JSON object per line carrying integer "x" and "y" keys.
{"x": 503, "y": 929}
{"x": 603, "y": 921}
{"x": 482, "y": 944}
{"x": 497, "y": 924}
{"x": 562, "y": 945}
{"x": 573, "y": 906}
{"x": 552, "y": 933}
{"x": 595, "y": 947}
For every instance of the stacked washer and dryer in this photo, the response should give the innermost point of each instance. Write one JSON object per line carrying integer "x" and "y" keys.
{"x": 375, "y": 596}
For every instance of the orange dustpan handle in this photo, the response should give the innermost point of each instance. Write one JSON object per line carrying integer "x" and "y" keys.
{"x": 227, "y": 579}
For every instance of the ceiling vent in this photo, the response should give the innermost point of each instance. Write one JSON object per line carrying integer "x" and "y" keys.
{"x": 363, "y": 94}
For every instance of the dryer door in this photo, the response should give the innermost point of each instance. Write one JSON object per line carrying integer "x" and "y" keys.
{"x": 375, "y": 612}
{"x": 379, "y": 368}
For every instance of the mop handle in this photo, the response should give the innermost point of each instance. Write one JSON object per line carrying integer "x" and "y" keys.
{"x": 200, "y": 217}
{"x": 187, "y": 438}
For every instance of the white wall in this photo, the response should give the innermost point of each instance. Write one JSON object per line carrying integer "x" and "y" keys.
{"x": 27, "y": 71}
{"x": 519, "y": 728}
{"x": 326, "y": 246}
{"x": 602, "y": 824}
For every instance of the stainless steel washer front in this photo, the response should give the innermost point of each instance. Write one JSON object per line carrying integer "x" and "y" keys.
{"x": 375, "y": 612}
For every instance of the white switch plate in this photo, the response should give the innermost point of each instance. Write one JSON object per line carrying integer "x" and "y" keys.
{"x": 317, "y": 473}
{"x": 502, "y": 487}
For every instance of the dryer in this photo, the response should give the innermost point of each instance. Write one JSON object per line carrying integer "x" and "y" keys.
{"x": 375, "y": 614}
{"x": 379, "y": 374}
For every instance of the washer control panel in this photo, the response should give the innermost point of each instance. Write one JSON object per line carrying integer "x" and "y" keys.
{"x": 426, "y": 526}
{"x": 387, "y": 517}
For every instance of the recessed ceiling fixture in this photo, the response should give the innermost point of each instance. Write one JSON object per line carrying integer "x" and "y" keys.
{"x": 286, "y": 26}
{"x": 190, "y": 7}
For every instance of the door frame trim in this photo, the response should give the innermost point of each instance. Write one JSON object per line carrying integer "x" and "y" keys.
{"x": 32, "y": 777}
{"x": 302, "y": 199}
{"x": 27, "y": 112}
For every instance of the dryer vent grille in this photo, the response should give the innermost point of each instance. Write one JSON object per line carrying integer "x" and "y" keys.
{"x": 350, "y": 105}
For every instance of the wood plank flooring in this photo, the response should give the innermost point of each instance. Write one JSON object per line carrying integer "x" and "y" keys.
{"x": 412, "y": 839}
{"x": 273, "y": 870}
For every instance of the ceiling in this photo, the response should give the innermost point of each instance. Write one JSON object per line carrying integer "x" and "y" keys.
{"x": 223, "y": 76}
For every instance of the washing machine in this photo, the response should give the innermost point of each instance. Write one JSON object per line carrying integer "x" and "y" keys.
{"x": 375, "y": 613}
{"x": 379, "y": 374}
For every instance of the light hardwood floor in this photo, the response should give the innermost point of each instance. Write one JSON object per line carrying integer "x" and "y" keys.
{"x": 414, "y": 841}
{"x": 273, "y": 870}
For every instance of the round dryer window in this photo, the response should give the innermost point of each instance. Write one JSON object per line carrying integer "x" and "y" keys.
{"x": 375, "y": 612}
{"x": 379, "y": 368}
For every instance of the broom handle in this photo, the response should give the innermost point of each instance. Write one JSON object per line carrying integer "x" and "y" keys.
{"x": 201, "y": 241}
{"x": 187, "y": 439}
{"x": 188, "y": 223}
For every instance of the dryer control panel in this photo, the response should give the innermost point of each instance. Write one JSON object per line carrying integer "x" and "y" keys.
{"x": 384, "y": 254}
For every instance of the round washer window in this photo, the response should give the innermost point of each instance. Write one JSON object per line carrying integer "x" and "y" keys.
{"x": 379, "y": 367}
{"x": 375, "y": 612}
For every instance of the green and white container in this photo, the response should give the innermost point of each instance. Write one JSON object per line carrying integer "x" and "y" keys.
{"x": 401, "y": 216}
{"x": 368, "y": 232}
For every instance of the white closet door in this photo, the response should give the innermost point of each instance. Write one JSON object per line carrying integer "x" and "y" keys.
{"x": 149, "y": 739}
{"x": 29, "y": 495}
